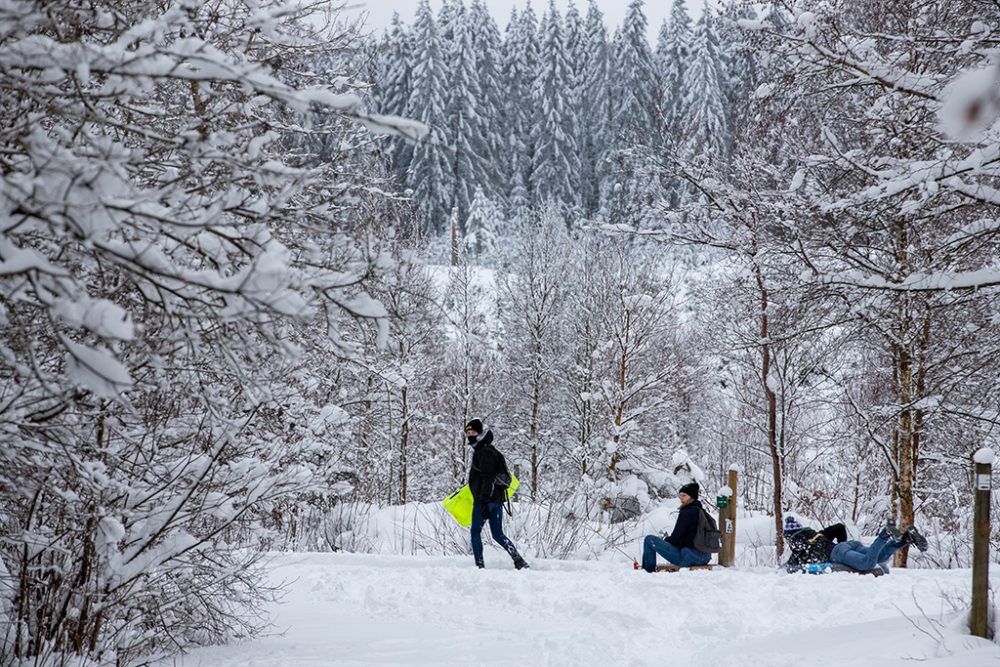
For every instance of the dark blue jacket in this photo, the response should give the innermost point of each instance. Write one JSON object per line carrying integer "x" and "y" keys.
{"x": 686, "y": 527}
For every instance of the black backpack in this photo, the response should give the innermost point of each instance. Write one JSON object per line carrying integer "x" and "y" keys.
{"x": 502, "y": 480}
{"x": 708, "y": 538}
{"x": 808, "y": 547}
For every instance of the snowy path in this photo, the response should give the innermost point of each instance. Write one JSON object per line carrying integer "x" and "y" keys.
{"x": 353, "y": 610}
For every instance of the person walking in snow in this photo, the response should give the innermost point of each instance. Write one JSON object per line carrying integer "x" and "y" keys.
{"x": 488, "y": 481}
{"x": 678, "y": 547}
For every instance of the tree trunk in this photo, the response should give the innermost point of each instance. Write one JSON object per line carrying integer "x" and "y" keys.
{"x": 772, "y": 413}
{"x": 616, "y": 458}
{"x": 912, "y": 388}
{"x": 536, "y": 400}
{"x": 454, "y": 238}
{"x": 404, "y": 443}
{"x": 904, "y": 395}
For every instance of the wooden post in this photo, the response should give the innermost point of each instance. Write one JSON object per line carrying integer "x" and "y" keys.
{"x": 727, "y": 524}
{"x": 730, "y": 528}
{"x": 723, "y": 521}
{"x": 979, "y": 618}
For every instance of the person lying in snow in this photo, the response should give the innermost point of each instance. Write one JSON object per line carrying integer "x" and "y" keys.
{"x": 678, "y": 546}
{"x": 808, "y": 546}
{"x": 830, "y": 545}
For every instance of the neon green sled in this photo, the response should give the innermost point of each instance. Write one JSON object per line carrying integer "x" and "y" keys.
{"x": 459, "y": 504}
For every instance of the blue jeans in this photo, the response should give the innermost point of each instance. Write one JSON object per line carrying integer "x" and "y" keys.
{"x": 856, "y": 555}
{"x": 495, "y": 518}
{"x": 685, "y": 557}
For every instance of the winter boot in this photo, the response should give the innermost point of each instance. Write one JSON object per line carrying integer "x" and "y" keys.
{"x": 481, "y": 565}
{"x": 519, "y": 564}
{"x": 914, "y": 537}
{"x": 890, "y": 533}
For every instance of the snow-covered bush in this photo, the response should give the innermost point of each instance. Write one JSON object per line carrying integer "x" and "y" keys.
{"x": 160, "y": 262}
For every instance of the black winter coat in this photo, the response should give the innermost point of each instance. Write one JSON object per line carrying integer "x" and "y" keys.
{"x": 686, "y": 527}
{"x": 487, "y": 463}
{"x": 809, "y": 546}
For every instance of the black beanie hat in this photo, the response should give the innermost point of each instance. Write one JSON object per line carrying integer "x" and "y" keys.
{"x": 691, "y": 489}
{"x": 476, "y": 425}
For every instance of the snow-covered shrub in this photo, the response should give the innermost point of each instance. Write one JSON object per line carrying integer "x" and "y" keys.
{"x": 160, "y": 264}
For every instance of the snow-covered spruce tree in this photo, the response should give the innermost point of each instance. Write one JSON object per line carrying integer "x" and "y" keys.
{"x": 575, "y": 47}
{"x": 484, "y": 229}
{"x": 394, "y": 69}
{"x": 629, "y": 188}
{"x": 154, "y": 251}
{"x": 430, "y": 171}
{"x": 532, "y": 293}
{"x": 673, "y": 50}
{"x": 672, "y": 58}
{"x": 633, "y": 81}
{"x": 487, "y": 45}
{"x": 555, "y": 165}
{"x": 466, "y": 129}
{"x": 520, "y": 64}
{"x": 394, "y": 73}
{"x": 905, "y": 235}
{"x": 702, "y": 118}
{"x": 742, "y": 61}
{"x": 594, "y": 138}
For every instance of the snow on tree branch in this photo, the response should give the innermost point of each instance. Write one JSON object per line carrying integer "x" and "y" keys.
{"x": 971, "y": 103}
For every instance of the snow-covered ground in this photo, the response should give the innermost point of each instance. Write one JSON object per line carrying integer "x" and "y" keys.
{"x": 355, "y": 609}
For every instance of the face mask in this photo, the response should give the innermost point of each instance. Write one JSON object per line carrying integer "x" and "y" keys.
{"x": 472, "y": 439}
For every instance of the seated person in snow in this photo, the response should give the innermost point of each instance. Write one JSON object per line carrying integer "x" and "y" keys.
{"x": 678, "y": 546}
{"x": 809, "y": 547}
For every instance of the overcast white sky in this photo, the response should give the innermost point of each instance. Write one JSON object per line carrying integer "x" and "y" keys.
{"x": 380, "y": 11}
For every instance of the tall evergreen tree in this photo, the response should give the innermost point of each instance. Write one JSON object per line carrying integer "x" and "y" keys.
{"x": 393, "y": 90}
{"x": 430, "y": 170}
{"x": 672, "y": 56}
{"x": 634, "y": 79}
{"x": 483, "y": 228}
{"x": 555, "y": 165}
{"x": 703, "y": 118}
{"x": 595, "y": 108}
{"x": 487, "y": 44}
{"x": 466, "y": 129}
{"x": 520, "y": 66}
{"x": 742, "y": 73}
{"x": 629, "y": 189}
{"x": 448, "y": 16}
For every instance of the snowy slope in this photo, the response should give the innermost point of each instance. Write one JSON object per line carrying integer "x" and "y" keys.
{"x": 353, "y": 610}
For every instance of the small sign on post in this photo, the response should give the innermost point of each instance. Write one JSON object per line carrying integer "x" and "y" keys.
{"x": 726, "y": 502}
{"x": 979, "y": 616}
